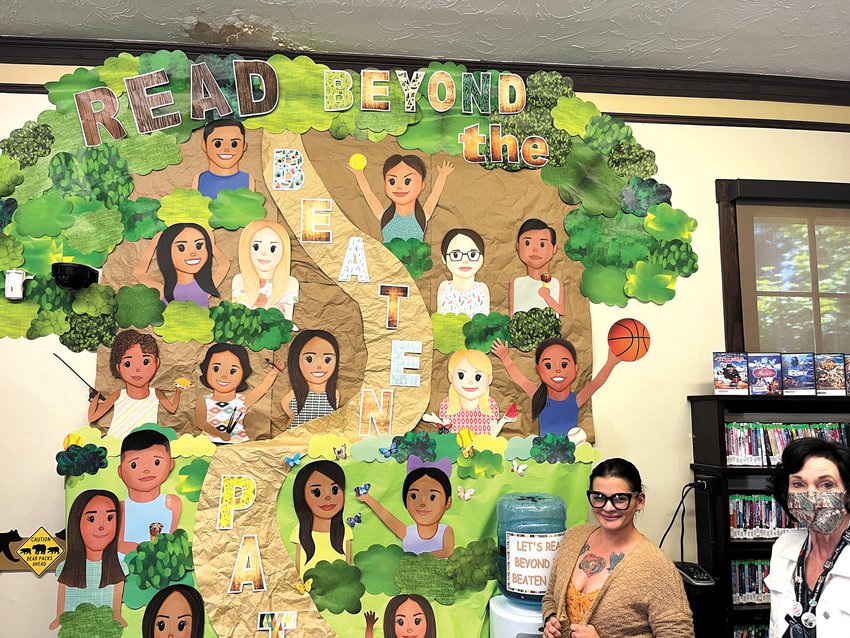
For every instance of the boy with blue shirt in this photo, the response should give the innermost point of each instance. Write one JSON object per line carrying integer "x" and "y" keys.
{"x": 224, "y": 145}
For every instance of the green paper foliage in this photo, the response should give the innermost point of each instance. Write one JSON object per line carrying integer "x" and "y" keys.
{"x": 426, "y": 576}
{"x": 140, "y": 219}
{"x": 619, "y": 241}
{"x": 553, "y": 448}
{"x": 448, "y": 331}
{"x": 257, "y": 329}
{"x": 48, "y": 322}
{"x": 481, "y": 464}
{"x": 11, "y": 252}
{"x": 8, "y": 207}
{"x": 97, "y": 172}
{"x": 337, "y": 586}
{"x": 414, "y": 444}
{"x": 302, "y": 98}
{"x": 78, "y": 460}
{"x": 666, "y": 223}
{"x": 10, "y": 175}
{"x": 61, "y": 93}
{"x": 472, "y": 566}
{"x": 413, "y": 254}
{"x": 650, "y": 282}
{"x": 96, "y": 300}
{"x": 114, "y": 70}
{"x": 185, "y": 321}
{"x": 28, "y": 143}
{"x": 527, "y": 328}
{"x": 43, "y": 290}
{"x": 604, "y": 284}
{"x": 47, "y": 215}
{"x": 177, "y": 67}
{"x": 88, "y": 332}
{"x": 96, "y": 231}
{"x": 88, "y": 620}
{"x": 165, "y": 559}
{"x": 139, "y": 307}
{"x": 234, "y": 209}
{"x": 639, "y": 195}
{"x": 16, "y": 317}
{"x": 437, "y": 132}
{"x": 605, "y": 132}
{"x": 630, "y": 159}
{"x": 676, "y": 256}
{"x": 191, "y": 479}
{"x": 572, "y": 114}
{"x": 585, "y": 178}
{"x": 483, "y": 330}
{"x": 379, "y": 566}
{"x": 185, "y": 205}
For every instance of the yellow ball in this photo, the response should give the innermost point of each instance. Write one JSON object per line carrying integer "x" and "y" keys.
{"x": 357, "y": 161}
{"x": 72, "y": 439}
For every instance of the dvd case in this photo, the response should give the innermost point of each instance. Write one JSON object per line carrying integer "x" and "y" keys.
{"x": 798, "y": 374}
{"x": 829, "y": 375}
{"x": 765, "y": 373}
{"x": 730, "y": 373}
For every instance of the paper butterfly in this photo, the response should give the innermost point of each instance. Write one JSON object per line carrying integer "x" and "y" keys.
{"x": 392, "y": 450}
{"x": 305, "y": 587}
{"x": 465, "y": 494}
{"x": 353, "y": 520}
{"x": 342, "y": 452}
{"x": 519, "y": 469}
{"x": 292, "y": 461}
{"x": 464, "y": 440}
{"x": 363, "y": 489}
{"x": 443, "y": 429}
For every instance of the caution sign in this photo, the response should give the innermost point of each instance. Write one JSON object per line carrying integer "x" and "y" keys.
{"x": 40, "y": 551}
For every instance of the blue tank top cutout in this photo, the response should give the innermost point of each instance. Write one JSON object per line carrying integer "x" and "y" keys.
{"x": 402, "y": 227}
{"x": 559, "y": 417}
{"x": 210, "y": 184}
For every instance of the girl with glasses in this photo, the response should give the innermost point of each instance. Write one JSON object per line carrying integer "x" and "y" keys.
{"x": 462, "y": 252}
{"x": 609, "y": 579}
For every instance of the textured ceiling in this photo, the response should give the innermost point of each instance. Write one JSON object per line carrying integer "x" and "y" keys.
{"x": 804, "y": 38}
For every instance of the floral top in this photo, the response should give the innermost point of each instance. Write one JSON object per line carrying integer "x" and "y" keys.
{"x": 468, "y": 302}
{"x": 474, "y": 420}
{"x": 579, "y": 603}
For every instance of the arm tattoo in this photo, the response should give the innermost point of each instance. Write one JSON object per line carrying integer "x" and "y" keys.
{"x": 592, "y": 564}
{"x": 615, "y": 560}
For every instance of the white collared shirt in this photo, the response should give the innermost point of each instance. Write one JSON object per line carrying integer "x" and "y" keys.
{"x": 833, "y": 610}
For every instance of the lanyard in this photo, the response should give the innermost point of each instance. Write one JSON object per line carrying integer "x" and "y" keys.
{"x": 799, "y": 578}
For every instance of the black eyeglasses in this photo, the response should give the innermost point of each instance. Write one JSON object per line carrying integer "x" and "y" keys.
{"x": 619, "y": 501}
{"x": 457, "y": 255}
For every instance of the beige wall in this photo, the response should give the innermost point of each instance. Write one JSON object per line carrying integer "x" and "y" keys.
{"x": 641, "y": 413}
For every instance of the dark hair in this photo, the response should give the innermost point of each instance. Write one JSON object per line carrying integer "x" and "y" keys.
{"x": 74, "y": 570}
{"x": 538, "y": 401}
{"x": 142, "y": 440}
{"x": 433, "y": 472}
{"x": 226, "y": 121}
{"x": 305, "y": 517}
{"x": 238, "y": 351}
{"x": 196, "y": 605}
{"x": 419, "y": 166}
{"x": 126, "y": 340}
{"x": 296, "y": 378}
{"x": 166, "y": 265}
{"x": 794, "y": 458}
{"x": 621, "y": 469}
{"x": 398, "y": 601}
{"x": 465, "y": 232}
{"x": 536, "y": 224}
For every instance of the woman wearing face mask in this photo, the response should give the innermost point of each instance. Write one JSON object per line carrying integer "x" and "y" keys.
{"x": 809, "y": 578}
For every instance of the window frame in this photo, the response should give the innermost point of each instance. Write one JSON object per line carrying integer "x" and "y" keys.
{"x": 729, "y": 193}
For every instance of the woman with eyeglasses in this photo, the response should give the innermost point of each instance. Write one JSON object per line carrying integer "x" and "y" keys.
{"x": 609, "y": 580}
{"x": 809, "y": 579}
{"x": 462, "y": 252}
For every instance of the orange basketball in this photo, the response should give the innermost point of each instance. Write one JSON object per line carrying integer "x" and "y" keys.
{"x": 628, "y": 339}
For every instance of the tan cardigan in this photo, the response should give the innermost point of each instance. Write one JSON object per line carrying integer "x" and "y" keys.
{"x": 642, "y": 598}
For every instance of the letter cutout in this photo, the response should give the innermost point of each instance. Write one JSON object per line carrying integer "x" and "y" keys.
{"x": 370, "y": 91}
{"x": 206, "y": 93}
{"x": 376, "y": 415}
{"x": 477, "y": 94}
{"x": 535, "y": 151}
{"x": 277, "y": 622}
{"x": 394, "y": 294}
{"x": 441, "y": 78}
{"x": 316, "y": 221}
{"x": 507, "y": 142}
{"x": 401, "y": 361}
{"x": 472, "y": 139}
{"x": 511, "y": 104}
{"x": 248, "y": 568}
{"x": 288, "y": 169}
{"x": 410, "y": 86}
{"x": 338, "y": 94}
{"x": 354, "y": 263}
{"x": 89, "y": 118}
{"x": 143, "y": 104}
{"x": 238, "y": 493}
{"x": 243, "y": 73}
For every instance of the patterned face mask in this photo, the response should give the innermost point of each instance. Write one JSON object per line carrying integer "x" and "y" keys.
{"x": 822, "y": 512}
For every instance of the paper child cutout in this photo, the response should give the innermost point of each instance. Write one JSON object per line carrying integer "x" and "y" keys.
{"x": 404, "y": 182}
{"x": 462, "y": 252}
{"x": 427, "y": 495}
{"x": 313, "y": 364}
{"x": 406, "y": 616}
{"x": 469, "y": 404}
{"x": 318, "y": 495}
{"x": 174, "y": 612}
{"x": 134, "y": 359}
{"x": 536, "y": 245}
{"x": 224, "y": 145}
{"x": 264, "y": 280}
{"x": 145, "y": 465}
{"x": 225, "y": 370}
{"x": 553, "y": 403}
{"x": 183, "y": 257}
{"x": 92, "y": 572}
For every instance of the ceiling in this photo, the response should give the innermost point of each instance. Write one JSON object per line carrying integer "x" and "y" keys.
{"x": 801, "y": 38}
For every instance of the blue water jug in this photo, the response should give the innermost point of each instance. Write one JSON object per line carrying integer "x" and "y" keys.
{"x": 530, "y": 528}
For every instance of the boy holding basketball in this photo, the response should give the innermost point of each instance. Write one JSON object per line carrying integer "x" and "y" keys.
{"x": 536, "y": 245}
